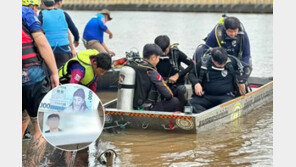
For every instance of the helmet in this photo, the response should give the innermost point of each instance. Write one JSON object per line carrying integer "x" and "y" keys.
{"x": 33, "y": 2}
{"x": 25, "y": 2}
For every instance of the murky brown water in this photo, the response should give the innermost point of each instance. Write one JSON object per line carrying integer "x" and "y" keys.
{"x": 248, "y": 141}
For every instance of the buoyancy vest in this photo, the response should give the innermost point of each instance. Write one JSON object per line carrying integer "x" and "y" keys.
{"x": 30, "y": 54}
{"x": 83, "y": 58}
{"x": 55, "y": 27}
{"x": 223, "y": 39}
{"x": 145, "y": 91}
{"x": 240, "y": 75}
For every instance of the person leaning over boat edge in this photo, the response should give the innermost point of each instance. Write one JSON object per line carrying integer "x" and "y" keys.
{"x": 35, "y": 84}
{"x": 58, "y": 4}
{"x": 86, "y": 68}
{"x": 56, "y": 31}
{"x": 169, "y": 67}
{"x": 150, "y": 84}
{"x": 216, "y": 80}
{"x": 93, "y": 34}
{"x": 231, "y": 35}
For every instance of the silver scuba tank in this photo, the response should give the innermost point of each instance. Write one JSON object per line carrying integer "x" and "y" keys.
{"x": 126, "y": 84}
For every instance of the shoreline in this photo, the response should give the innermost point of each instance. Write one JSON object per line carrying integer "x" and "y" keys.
{"x": 215, "y": 8}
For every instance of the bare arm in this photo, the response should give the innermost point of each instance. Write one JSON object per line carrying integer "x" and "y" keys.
{"x": 47, "y": 54}
{"x": 71, "y": 44}
{"x": 110, "y": 33}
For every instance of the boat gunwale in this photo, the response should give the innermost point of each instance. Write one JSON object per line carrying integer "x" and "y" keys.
{"x": 175, "y": 114}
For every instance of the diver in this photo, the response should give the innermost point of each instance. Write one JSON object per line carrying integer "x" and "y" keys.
{"x": 169, "y": 67}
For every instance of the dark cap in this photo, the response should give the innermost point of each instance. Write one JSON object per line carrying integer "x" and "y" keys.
{"x": 48, "y": 3}
{"x": 79, "y": 92}
{"x": 150, "y": 49}
{"x": 106, "y": 12}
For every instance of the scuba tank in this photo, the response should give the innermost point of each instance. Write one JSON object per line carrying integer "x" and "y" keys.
{"x": 126, "y": 84}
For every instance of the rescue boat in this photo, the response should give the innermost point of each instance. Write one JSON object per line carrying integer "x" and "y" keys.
{"x": 119, "y": 112}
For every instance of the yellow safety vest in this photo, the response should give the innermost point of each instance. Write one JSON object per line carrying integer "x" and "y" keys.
{"x": 83, "y": 58}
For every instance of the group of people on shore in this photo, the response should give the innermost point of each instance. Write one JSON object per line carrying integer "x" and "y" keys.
{"x": 218, "y": 71}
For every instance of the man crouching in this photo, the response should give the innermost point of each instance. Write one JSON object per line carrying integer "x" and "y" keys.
{"x": 150, "y": 84}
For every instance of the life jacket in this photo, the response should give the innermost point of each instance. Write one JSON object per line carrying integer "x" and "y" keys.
{"x": 145, "y": 91}
{"x": 55, "y": 27}
{"x": 30, "y": 54}
{"x": 83, "y": 58}
{"x": 221, "y": 37}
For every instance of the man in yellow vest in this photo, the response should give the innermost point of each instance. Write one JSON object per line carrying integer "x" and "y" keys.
{"x": 85, "y": 68}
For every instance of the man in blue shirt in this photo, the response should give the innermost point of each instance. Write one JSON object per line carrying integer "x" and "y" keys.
{"x": 35, "y": 83}
{"x": 93, "y": 35}
{"x": 231, "y": 35}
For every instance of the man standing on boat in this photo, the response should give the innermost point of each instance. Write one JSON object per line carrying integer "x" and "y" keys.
{"x": 218, "y": 80}
{"x": 93, "y": 35}
{"x": 169, "y": 67}
{"x": 150, "y": 84}
{"x": 230, "y": 34}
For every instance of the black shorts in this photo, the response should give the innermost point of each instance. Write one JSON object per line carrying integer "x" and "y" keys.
{"x": 62, "y": 58}
{"x": 33, "y": 94}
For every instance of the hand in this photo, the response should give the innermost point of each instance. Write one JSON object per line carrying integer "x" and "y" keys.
{"x": 110, "y": 36}
{"x": 174, "y": 78}
{"x": 76, "y": 44}
{"x": 73, "y": 51}
{"x": 111, "y": 53}
{"x": 242, "y": 89}
{"x": 198, "y": 89}
{"x": 54, "y": 78}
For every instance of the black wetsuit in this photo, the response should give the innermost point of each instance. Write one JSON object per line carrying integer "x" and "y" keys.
{"x": 151, "y": 79}
{"x": 166, "y": 69}
{"x": 218, "y": 86}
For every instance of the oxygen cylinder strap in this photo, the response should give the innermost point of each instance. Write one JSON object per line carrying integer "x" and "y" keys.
{"x": 126, "y": 86}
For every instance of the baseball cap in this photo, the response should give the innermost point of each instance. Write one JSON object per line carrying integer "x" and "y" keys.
{"x": 106, "y": 12}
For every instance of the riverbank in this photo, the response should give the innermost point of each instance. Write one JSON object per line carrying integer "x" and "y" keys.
{"x": 215, "y": 8}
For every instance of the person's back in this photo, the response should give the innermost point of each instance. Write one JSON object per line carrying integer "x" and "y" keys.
{"x": 93, "y": 34}
{"x": 55, "y": 27}
{"x": 56, "y": 30}
{"x": 71, "y": 25}
{"x": 94, "y": 29}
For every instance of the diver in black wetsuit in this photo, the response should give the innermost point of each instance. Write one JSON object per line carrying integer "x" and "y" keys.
{"x": 170, "y": 68}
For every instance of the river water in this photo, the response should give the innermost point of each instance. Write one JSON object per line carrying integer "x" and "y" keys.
{"x": 246, "y": 142}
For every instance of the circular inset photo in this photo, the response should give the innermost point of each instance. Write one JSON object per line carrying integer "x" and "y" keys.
{"x": 71, "y": 117}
